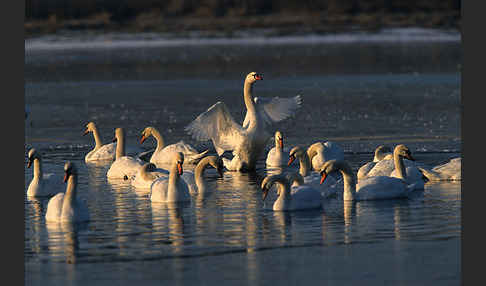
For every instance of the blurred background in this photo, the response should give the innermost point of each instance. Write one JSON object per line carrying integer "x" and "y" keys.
{"x": 291, "y": 16}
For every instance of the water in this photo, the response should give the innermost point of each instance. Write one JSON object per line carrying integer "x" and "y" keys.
{"x": 357, "y": 93}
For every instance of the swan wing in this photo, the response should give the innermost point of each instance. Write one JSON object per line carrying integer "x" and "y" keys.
{"x": 273, "y": 110}
{"x": 218, "y": 125}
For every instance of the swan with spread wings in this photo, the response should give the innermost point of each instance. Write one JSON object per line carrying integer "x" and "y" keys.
{"x": 246, "y": 141}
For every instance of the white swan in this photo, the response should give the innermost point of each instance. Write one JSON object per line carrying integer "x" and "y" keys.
{"x": 328, "y": 189}
{"x": 373, "y": 188}
{"x": 195, "y": 180}
{"x": 100, "y": 152}
{"x": 123, "y": 167}
{"x": 290, "y": 198}
{"x": 172, "y": 189}
{"x": 276, "y": 156}
{"x": 146, "y": 175}
{"x": 321, "y": 152}
{"x": 381, "y": 153}
{"x": 67, "y": 206}
{"x": 450, "y": 171}
{"x": 163, "y": 154}
{"x": 42, "y": 185}
{"x": 248, "y": 141}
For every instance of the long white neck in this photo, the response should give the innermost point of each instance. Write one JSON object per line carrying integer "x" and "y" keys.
{"x": 249, "y": 103}
{"x": 97, "y": 138}
{"x": 160, "y": 140}
{"x": 284, "y": 198}
{"x": 120, "y": 147}
{"x": 71, "y": 190}
{"x": 37, "y": 169}
{"x": 399, "y": 166}
{"x": 199, "y": 173}
{"x": 172, "y": 188}
{"x": 349, "y": 183}
{"x": 305, "y": 165}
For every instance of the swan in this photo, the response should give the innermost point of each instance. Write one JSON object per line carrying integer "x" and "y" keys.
{"x": 248, "y": 141}
{"x": 163, "y": 154}
{"x": 321, "y": 152}
{"x": 67, "y": 206}
{"x": 298, "y": 197}
{"x": 146, "y": 175}
{"x": 124, "y": 166}
{"x": 382, "y": 152}
{"x": 276, "y": 156}
{"x": 450, "y": 171}
{"x": 100, "y": 151}
{"x": 195, "y": 180}
{"x": 42, "y": 185}
{"x": 171, "y": 189}
{"x": 373, "y": 188}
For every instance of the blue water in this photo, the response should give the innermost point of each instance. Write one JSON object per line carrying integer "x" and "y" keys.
{"x": 398, "y": 94}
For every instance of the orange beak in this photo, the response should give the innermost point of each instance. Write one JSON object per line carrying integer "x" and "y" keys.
{"x": 179, "y": 168}
{"x": 280, "y": 142}
{"x": 85, "y": 132}
{"x": 258, "y": 77}
{"x": 65, "y": 177}
{"x": 291, "y": 159}
{"x": 29, "y": 163}
{"x": 323, "y": 177}
{"x": 142, "y": 139}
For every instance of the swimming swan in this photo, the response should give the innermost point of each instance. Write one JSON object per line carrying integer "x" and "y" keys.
{"x": 276, "y": 156}
{"x": 372, "y": 188}
{"x": 248, "y": 141}
{"x": 381, "y": 153}
{"x": 321, "y": 152}
{"x": 172, "y": 189}
{"x": 67, "y": 206}
{"x": 100, "y": 151}
{"x": 163, "y": 154}
{"x": 450, "y": 171}
{"x": 123, "y": 167}
{"x": 42, "y": 185}
{"x": 195, "y": 179}
{"x": 298, "y": 197}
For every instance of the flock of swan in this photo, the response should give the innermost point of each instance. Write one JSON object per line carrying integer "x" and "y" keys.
{"x": 323, "y": 172}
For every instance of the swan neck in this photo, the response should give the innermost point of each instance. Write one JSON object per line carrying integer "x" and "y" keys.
{"x": 37, "y": 168}
{"x": 284, "y": 197}
{"x": 160, "y": 140}
{"x": 71, "y": 190}
{"x": 249, "y": 103}
{"x": 120, "y": 147}
{"x": 97, "y": 138}
{"x": 399, "y": 166}
{"x": 305, "y": 165}
{"x": 349, "y": 184}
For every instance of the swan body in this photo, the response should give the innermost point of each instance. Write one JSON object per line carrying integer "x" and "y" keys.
{"x": 172, "y": 189}
{"x": 248, "y": 141}
{"x": 450, "y": 171}
{"x": 195, "y": 180}
{"x": 381, "y": 153}
{"x": 329, "y": 188}
{"x": 66, "y": 207}
{"x": 100, "y": 152}
{"x": 146, "y": 175}
{"x": 321, "y": 152}
{"x": 276, "y": 156}
{"x": 372, "y": 188}
{"x": 123, "y": 167}
{"x": 163, "y": 154}
{"x": 42, "y": 185}
{"x": 298, "y": 197}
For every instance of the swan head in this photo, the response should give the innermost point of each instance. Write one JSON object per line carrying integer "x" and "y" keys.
{"x": 119, "y": 134}
{"x": 90, "y": 127}
{"x": 148, "y": 167}
{"x": 32, "y": 156}
{"x": 217, "y": 163}
{"x": 295, "y": 152}
{"x": 69, "y": 170}
{"x": 404, "y": 152}
{"x": 253, "y": 77}
{"x": 179, "y": 161}
{"x": 279, "y": 139}
{"x": 380, "y": 152}
{"x": 146, "y": 133}
{"x": 268, "y": 182}
{"x": 333, "y": 166}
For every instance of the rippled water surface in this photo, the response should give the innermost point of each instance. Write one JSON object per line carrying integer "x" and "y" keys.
{"x": 358, "y": 94}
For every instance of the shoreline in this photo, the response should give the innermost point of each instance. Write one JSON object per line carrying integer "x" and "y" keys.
{"x": 278, "y": 24}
